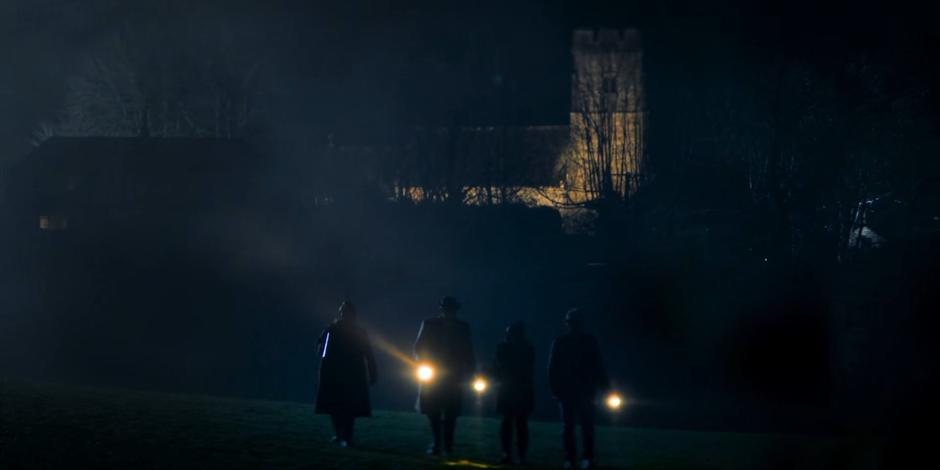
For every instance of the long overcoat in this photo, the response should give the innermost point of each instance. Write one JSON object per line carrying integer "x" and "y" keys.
{"x": 347, "y": 368}
{"x": 446, "y": 344}
{"x": 514, "y": 373}
{"x": 575, "y": 368}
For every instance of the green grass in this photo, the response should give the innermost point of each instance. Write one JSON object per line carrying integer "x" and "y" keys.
{"x": 54, "y": 426}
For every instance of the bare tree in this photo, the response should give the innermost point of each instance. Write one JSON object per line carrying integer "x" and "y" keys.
{"x": 802, "y": 148}
{"x": 607, "y": 119}
{"x": 430, "y": 166}
{"x": 197, "y": 83}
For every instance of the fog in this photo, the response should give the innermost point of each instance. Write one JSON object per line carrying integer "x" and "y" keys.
{"x": 726, "y": 293}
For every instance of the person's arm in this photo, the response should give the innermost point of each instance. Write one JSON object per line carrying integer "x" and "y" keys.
{"x": 322, "y": 342}
{"x": 369, "y": 358}
{"x": 603, "y": 380}
{"x": 530, "y": 363}
{"x": 420, "y": 345}
{"x": 553, "y": 372}
{"x": 499, "y": 367}
{"x": 471, "y": 360}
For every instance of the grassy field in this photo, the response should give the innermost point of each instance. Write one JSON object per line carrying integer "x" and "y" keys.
{"x": 54, "y": 426}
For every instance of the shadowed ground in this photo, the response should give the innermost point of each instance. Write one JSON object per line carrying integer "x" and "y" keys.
{"x": 54, "y": 426}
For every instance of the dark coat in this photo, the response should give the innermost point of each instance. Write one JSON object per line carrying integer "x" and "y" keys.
{"x": 514, "y": 373}
{"x": 446, "y": 344}
{"x": 347, "y": 368}
{"x": 575, "y": 368}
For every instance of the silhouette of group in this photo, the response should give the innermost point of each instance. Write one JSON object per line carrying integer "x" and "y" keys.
{"x": 444, "y": 355}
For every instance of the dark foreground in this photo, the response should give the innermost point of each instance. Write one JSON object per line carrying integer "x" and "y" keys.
{"x": 54, "y": 426}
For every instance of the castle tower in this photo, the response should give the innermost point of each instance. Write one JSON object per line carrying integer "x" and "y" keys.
{"x": 607, "y": 114}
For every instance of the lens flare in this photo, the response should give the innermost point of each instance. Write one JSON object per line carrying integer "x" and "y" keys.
{"x": 480, "y": 385}
{"x": 425, "y": 373}
{"x": 614, "y": 401}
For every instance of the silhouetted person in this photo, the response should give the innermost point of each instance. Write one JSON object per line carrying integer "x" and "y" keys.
{"x": 444, "y": 342}
{"x": 347, "y": 368}
{"x": 514, "y": 372}
{"x": 576, "y": 374}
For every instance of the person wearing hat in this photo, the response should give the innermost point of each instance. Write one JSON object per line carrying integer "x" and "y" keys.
{"x": 514, "y": 372}
{"x": 445, "y": 343}
{"x": 347, "y": 368}
{"x": 576, "y": 375}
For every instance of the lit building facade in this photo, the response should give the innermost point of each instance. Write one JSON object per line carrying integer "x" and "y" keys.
{"x": 604, "y": 158}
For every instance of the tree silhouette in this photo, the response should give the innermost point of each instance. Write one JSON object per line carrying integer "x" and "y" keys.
{"x": 170, "y": 80}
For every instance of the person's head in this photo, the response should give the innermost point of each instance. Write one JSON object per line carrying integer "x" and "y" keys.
{"x": 574, "y": 320}
{"x": 347, "y": 311}
{"x": 449, "y": 306}
{"x": 515, "y": 331}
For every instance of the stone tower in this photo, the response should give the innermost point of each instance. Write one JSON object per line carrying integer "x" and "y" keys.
{"x": 607, "y": 114}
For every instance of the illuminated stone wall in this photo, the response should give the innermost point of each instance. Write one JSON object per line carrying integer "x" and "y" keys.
{"x": 605, "y": 152}
{"x": 602, "y": 156}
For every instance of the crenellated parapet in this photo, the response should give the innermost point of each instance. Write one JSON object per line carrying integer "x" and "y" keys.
{"x": 618, "y": 39}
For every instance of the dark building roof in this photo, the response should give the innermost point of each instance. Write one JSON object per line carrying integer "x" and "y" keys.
{"x": 513, "y": 156}
{"x": 137, "y": 154}
{"x": 475, "y": 156}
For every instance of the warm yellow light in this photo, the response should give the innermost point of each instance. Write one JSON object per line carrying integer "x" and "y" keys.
{"x": 425, "y": 373}
{"x": 614, "y": 401}
{"x": 480, "y": 385}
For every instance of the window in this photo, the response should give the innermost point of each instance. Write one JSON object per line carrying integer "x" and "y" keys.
{"x": 53, "y": 222}
{"x": 609, "y": 85}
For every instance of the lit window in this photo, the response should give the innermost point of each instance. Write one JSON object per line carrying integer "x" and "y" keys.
{"x": 53, "y": 222}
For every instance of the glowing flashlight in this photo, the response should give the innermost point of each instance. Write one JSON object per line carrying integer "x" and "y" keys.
{"x": 614, "y": 401}
{"x": 425, "y": 373}
{"x": 480, "y": 385}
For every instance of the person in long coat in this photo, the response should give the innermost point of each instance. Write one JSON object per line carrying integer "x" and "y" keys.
{"x": 514, "y": 373}
{"x": 445, "y": 343}
{"x": 347, "y": 368}
{"x": 576, "y": 374}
